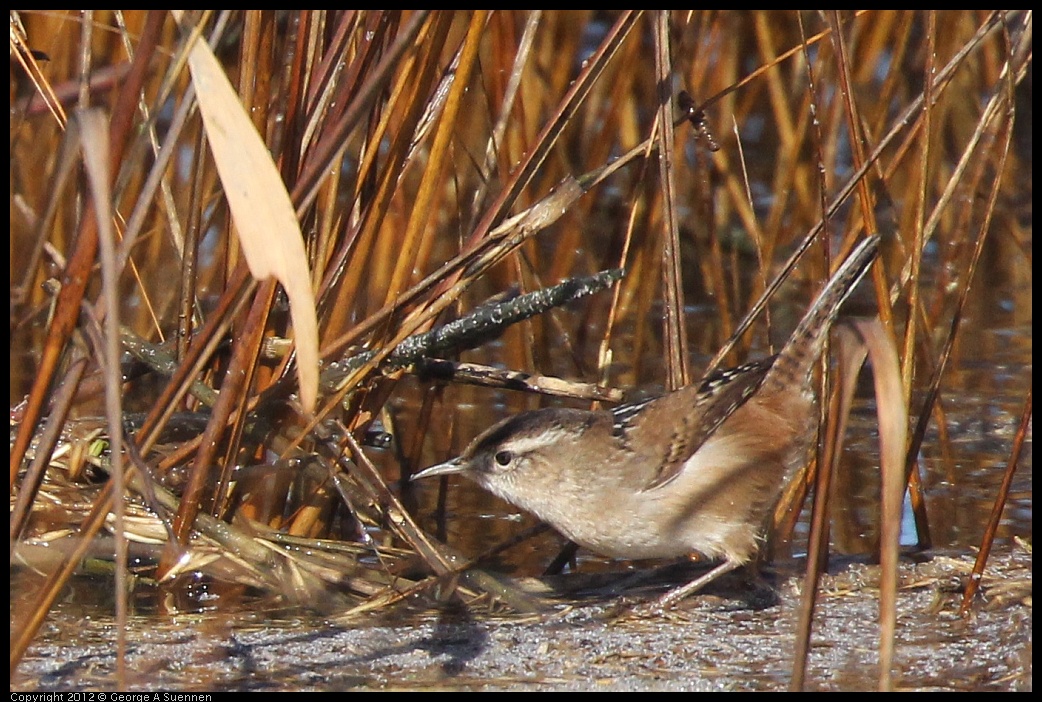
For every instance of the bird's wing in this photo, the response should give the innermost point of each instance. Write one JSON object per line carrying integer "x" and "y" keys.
{"x": 652, "y": 427}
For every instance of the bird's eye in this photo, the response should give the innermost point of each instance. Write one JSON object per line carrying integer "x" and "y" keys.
{"x": 504, "y": 458}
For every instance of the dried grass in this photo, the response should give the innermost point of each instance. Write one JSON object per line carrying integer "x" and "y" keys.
{"x": 435, "y": 159}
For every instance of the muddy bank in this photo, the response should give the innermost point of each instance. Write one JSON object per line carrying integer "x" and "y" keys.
{"x": 709, "y": 643}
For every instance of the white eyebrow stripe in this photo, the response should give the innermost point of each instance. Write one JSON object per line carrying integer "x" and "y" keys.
{"x": 526, "y": 444}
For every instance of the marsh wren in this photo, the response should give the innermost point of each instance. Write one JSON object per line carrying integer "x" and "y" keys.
{"x": 693, "y": 470}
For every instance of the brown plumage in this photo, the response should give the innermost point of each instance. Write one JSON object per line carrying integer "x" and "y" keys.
{"x": 694, "y": 470}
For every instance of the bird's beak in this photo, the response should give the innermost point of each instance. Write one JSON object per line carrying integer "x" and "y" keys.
{"x": 447, "y": 468}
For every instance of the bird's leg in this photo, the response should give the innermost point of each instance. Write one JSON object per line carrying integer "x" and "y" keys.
{"x": 679, "y": 593}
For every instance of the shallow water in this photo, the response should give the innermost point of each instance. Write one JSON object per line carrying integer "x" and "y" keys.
{"x": 215, "y": 636}
{"x": 707, "y": 643}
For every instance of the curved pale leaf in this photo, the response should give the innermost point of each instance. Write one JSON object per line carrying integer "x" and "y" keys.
{"x": 260, "y": 206}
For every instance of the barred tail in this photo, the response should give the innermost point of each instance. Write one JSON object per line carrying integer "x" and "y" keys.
{"x": 793, "y": 364}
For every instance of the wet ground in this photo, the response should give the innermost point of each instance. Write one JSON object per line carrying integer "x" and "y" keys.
{"x": 707, "y": 643}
